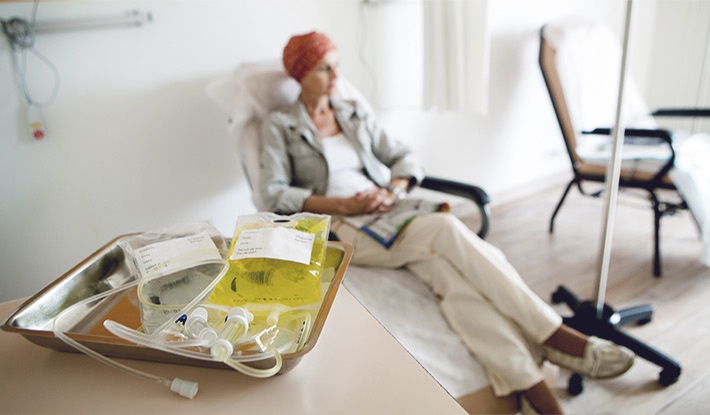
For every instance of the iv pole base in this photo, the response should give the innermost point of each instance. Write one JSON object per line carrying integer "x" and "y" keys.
{"x": 607, "y": 327}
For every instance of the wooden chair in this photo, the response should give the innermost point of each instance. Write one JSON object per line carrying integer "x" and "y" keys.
{"x": 653, "y": 179}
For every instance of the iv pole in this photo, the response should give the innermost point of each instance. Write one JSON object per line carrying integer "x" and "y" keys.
{"x": 614, "y": 166}
{"x": 596, "y": 318}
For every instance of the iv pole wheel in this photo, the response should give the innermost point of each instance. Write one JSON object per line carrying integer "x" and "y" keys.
{"x": 668, "y": 376}
{"x": 557, "y": 297}
{"x": 643, "y": 321}
{"x": 575, "y": 385}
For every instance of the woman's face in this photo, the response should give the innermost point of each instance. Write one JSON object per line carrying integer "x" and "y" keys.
{"x": 322, "y": 78}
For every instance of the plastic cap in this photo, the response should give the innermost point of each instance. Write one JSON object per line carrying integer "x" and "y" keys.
{"x": 209, "y": 334}
{"x": 240, "y": 314}
{"x": 198, "y": 313}
{"x": 221, "y": 349}
{"x": 273, "y": 318}
{"x": 184, "y": 387}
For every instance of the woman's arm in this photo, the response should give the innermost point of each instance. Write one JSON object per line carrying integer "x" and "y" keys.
{"x": 398, "y": 157}
{"x": 399, "y": 185}
{"x": 277, "y": 192}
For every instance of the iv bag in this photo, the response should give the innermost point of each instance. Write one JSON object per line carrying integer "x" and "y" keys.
{"x": 173, "y": 265}
{"x": 274, "y": 259}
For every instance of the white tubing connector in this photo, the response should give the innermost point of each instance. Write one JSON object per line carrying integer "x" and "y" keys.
{"x": 184, "y": 388}
{"x": 238, "y": 313}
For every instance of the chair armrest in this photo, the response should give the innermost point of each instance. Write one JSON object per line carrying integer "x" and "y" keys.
{"x": 662, "y": 135}
{"x": 468, "y": 191}
{"x": 682, "y": 112}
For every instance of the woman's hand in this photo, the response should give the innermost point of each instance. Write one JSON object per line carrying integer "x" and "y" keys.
{"x": 377, "y": 199}
{"x": 373, "y": 200}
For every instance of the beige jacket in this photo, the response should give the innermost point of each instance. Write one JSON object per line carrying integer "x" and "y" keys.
{"x": 293, "y": 166}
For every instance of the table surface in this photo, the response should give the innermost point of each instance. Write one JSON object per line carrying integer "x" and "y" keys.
{"x": 356, "y": 367}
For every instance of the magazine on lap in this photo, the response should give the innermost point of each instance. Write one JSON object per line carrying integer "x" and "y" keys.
{"x": 386, "y": 227}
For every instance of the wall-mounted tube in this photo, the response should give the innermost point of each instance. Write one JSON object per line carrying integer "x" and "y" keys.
{"x": 129, "y": 18}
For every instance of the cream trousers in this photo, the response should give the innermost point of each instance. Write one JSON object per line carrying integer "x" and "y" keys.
{"x": 499, "y": 319}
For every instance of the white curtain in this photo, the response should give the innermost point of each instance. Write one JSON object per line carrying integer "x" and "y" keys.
{"x": 456, "y": 55}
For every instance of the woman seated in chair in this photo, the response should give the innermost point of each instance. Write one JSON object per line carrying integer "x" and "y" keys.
{"x": 326, "y": 155}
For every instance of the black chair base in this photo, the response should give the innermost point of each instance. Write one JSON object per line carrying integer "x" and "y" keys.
{"x": 607, "y": 326}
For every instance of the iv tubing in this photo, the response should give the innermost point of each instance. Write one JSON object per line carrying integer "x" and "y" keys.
{"x": 131, "y": 335}
{"x": 171, "y": 347}
{"x": 177, "y": 385}
{"x": 184, "y": 388}
{"x": 139, "y": 338}
{"x": 257, "y": 373}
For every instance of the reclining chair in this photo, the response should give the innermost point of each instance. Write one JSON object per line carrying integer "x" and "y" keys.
{"x": 401, "y": 302}
{"x": 582, "y": 81}
{"x": 645, "y": 165}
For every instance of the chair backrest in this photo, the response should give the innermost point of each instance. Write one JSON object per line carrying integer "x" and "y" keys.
{"x": 249, "y": 94}
{"x": 580, "y": 62}
{"x": 554, "y": 87}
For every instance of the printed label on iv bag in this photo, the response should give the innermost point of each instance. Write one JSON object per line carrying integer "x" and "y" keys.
{"x": 275, "y": 243}
{"x": 200, "y": 247}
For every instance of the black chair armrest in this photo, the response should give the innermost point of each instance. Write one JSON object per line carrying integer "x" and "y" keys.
{"x": 662, "y": 135}
{"x": 682, "y": 112}
{"x": 468, "y": 191}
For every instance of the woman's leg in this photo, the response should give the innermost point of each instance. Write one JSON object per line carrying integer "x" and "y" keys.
{"x": 456, "y": 264}
{"x": 510, "y": 359}
{"x": 543, "y": 399}
{"x": 484, "y": 268}
{"x": 568, "y": 340}
{"x": 477, "y": 270}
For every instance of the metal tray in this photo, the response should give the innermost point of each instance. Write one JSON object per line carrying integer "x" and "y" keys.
{"x": 108, "y": 268}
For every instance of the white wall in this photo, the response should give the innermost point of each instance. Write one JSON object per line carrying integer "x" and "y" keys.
{"x": 134, "y": 144}
{"x": 681, "y": 61}
{"x": 517, "y": 144}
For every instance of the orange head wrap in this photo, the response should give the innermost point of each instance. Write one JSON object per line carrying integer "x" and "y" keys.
{"x": 303, "y": 52}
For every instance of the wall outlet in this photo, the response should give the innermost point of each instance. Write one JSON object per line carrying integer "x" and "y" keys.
{"x": 35, "y": 123}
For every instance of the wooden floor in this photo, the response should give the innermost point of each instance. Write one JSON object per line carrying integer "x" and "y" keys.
{"x": 681, "y": 297}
